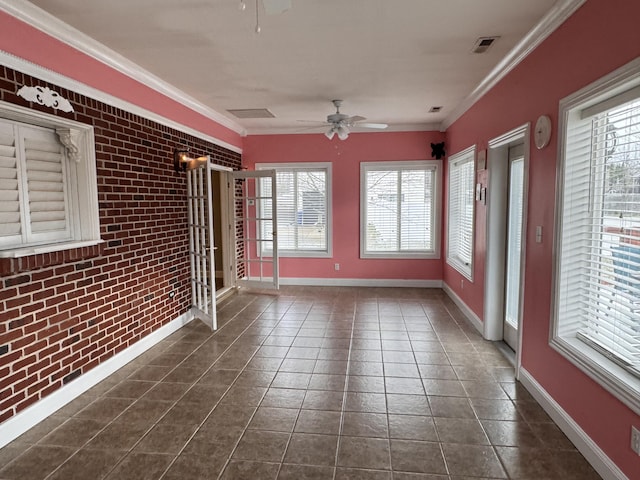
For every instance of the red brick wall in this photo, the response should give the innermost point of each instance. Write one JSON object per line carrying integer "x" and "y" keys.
{"x": 62, "y": 314}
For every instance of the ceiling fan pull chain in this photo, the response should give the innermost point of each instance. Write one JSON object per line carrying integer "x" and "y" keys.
{"x": 258, "y": 29}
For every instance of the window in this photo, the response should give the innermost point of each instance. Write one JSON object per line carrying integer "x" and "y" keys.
{"x": 48, "y": 192}
{"x": 461, "y": 181}
{"x": 399, "y": 209}
{"x": 597, "y": 279}
{"x": 303, "y": 199}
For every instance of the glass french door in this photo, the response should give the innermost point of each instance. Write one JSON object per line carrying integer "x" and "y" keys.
{"x": 255, "y": 222}
{"x": 513, "y": 260}
{"x": 201, "y": 243}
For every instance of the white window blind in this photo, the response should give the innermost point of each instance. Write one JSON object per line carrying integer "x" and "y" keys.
{"x": 461, "y": 182}
{"x": 34, "y": 200}
{"x": 599, "y": 274}
{"x": 399, "y": 206}
{"x": 303, "y": 193}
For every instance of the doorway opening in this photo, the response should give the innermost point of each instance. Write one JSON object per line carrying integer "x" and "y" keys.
{"x": 508, "y": 159}
{"x": 230, "y": 221}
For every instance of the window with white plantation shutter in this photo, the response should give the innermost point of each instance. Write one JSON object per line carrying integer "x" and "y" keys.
{"x": 399, "y": 209}
{"x": 597, "y": 298}
{"x": 33, "y": 176}
{"x": 304, "y": 213}
{"x": 461, "y": 183}
{"x": 47, "y": 191}
{"x": 47, "y": 201}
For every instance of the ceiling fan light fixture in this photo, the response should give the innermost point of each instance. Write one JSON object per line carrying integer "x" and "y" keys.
{"x": 330, "y": 133}
{"x": 343, "y": 132}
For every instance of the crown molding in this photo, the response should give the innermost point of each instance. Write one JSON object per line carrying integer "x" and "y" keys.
{"x": 38, "y": 71}
{"x": 56, "y": 28}
{"x": 555, "y": 17}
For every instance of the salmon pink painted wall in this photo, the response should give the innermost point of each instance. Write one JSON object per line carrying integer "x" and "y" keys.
{"x": 600, "y": 37}
{"x": 346, "y": 157}
{"x": 29, "y": 43}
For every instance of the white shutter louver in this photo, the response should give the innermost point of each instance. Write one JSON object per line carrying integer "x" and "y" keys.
{"x": 34, "y": 207}
{"x": 46, "y": 185}
{"x": 10, "y": 221}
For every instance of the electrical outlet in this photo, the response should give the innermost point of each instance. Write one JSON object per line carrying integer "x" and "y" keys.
{"x": 635, "y": 440}
{"x": 336, "y": 266}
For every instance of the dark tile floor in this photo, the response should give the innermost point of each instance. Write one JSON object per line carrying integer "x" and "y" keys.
{"x": 310, "y": 383}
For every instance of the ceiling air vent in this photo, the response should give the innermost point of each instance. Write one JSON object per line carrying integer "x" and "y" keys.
{"x": 483, "y": 44}
{"x": 252, "y": 113}
{"x": 435, "y": 109}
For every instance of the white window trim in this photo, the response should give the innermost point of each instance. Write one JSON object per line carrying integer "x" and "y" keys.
{"x": 436, "y": 218}
{"x": 464, "y": 269}
{"x": 620, "y": 383}
{"x": 84, "y": 189}
{"x": 328, "y": 252}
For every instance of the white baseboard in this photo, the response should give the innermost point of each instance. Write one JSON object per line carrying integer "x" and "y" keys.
{"x": 605, "y": 467}
{"x": 360, "y": 282}
{"x": 471, "y": 316}
{"x": 34, "y": 414}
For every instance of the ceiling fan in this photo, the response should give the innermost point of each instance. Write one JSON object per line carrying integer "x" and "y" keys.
{"x": 341, "y": 124}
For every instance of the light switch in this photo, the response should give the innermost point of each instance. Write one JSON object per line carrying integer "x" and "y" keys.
{"x": 539, "y": 234}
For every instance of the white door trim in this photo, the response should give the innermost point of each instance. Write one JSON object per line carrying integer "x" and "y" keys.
{"x": 497, "y": 200}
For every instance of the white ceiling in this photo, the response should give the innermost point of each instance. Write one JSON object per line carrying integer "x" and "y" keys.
{"x": 389, "y": 60}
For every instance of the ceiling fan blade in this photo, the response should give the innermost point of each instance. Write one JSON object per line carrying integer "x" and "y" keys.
{"x": 320, "y": 124}
{"x": 354, "y": 119}
{"x": 275, "y": 7}
{"x": 316, "y": 128}
{"x": 379, "y": 126}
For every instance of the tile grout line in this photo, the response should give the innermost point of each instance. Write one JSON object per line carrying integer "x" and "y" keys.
{"x": 130, "y": 450}
{"x": 345, "y": 387}
{"x": 235, "y": 446}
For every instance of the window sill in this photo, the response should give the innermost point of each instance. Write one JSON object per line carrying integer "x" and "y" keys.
{"x": 399, "y": 256}
{"x": 26, "y": 259}
{"x": 613, "y": 378}
{"x": 302, "y": 254}
{"x": 461, "y": 268}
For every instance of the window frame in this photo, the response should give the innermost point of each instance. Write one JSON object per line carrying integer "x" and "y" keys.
{"x": 81, "y": 178}
{"x": 615, "y": 379}
{"x": 435, "y": 166}
{"x": 302, "y": 166}
{"x": 467, "y": 155}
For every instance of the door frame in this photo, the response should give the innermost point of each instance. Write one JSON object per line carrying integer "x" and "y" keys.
{"x": 497, "y": 201}
{"x": 227, "y": 231}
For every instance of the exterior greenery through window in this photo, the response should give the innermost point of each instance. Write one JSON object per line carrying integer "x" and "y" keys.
{"x": 461, "y": 182}
{"x": 597, "y": 307}
{"x": 303, "y": 203}
{"x": 399, "y": 209}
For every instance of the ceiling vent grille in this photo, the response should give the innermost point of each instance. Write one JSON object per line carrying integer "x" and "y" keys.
{"x": 251, "y": 113}
{"x": 483, "y": 44}
{"x": 435, "y": 109}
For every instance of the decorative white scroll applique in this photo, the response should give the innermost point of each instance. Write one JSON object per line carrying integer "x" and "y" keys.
{"x": 45, "y": 96}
